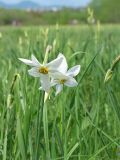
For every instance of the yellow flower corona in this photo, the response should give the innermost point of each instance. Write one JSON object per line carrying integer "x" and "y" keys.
{"x": 43, "y": 70}
{"x": 62, "y": 81}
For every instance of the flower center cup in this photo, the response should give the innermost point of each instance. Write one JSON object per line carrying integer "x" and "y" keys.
{"x": 43, "y": 70}
{"x": 62, "y": 81}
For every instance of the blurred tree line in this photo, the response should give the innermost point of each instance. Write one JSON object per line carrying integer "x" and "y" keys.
{"x": 107, "y": 11}
{"x": 30, "y": 17}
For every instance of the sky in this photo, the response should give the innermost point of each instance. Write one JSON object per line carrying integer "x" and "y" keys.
{"x": 53, "y": 2}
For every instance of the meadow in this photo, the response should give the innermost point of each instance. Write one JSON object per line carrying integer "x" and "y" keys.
{"x": 81, "y": 123}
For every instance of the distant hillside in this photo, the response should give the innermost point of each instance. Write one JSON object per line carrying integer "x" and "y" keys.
{"x": 27, "y": 4}
{"x": 3, "y": 4}
{"x": 45, "y": 4}
{"x": 20, "y": 5}
{"x": 30, "y": 5}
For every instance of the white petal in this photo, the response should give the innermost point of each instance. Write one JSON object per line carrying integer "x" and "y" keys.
{"x": 26, "y": 61}
{"x": 53, "y": 65}
{"x": 35, "y": 61}
{"x": 45, "y": 82}
{"x": 58, "y": 75}
{"x": 71, "y": 82}
{"x": 34, "y": 72}
{"x": 53, "y": 82}
{"x": 73, "y": 71}
{"x": 64, "y": 66}
{"x": 59, "y": 88}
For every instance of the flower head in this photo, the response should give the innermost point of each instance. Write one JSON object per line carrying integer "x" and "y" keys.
{"x": 44, "y": 71}
{"x": 56, "y": 71}
{"x": 65, "y": 76}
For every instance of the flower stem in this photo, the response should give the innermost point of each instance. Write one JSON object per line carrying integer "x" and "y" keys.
{"x": 46, "y": 135}
{"x": 38, "y": 126}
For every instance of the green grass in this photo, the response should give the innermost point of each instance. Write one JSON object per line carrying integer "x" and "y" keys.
{"x": 81, "y": 123}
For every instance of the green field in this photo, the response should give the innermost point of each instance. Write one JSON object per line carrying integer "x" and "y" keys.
{"x": 81, "y": 123}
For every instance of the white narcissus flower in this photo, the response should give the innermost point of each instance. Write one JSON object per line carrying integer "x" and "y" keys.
{"x": 43, "y": 71}
{"x": 65, "y": 76}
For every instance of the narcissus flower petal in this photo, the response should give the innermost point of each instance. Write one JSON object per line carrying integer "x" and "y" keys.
{"x": 71, "y": 82}
{"x": 35, "y": 61}
{"x": 45, "y": 82}
{"x": 26, "y": 61}
{"x": 64, "y": 66}
{"x": 73, "y": 71}
{"x": 34, "y": 71}
{"x": 54, "y": 64}
{"x": 59, "y": 88}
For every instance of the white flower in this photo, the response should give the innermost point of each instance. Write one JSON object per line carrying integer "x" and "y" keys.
{"x": 65, "y": 76}
{"x": 43, "y": 71}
